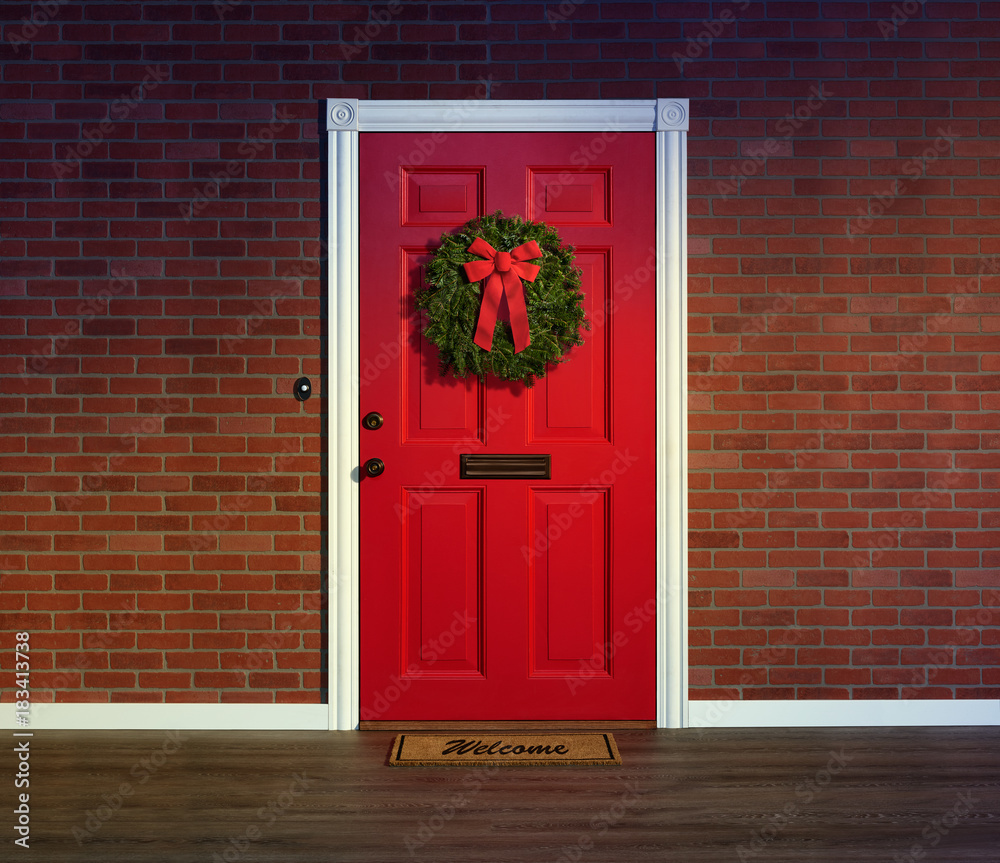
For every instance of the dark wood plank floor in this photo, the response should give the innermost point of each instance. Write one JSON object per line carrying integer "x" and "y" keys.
{"x": 823, "y": 796}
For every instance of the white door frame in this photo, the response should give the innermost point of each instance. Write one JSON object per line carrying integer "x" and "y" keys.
{"x": 668, "y": 119}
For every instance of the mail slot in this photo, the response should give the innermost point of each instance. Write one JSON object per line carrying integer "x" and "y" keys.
{"x": 479, "y": 466}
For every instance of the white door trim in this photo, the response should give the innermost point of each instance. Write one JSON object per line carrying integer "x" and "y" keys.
{"x": 345, "y": 119}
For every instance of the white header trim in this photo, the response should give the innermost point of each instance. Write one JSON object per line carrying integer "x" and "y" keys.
{"x": 515, "y": 115}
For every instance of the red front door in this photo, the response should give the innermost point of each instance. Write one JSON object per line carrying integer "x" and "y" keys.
{"x": 509, "y": 599}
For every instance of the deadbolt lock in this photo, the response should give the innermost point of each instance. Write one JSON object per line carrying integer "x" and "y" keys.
{"x": 372, "y": 421}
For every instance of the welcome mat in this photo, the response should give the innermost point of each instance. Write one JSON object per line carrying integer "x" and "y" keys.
{"x": 440, "y": 750}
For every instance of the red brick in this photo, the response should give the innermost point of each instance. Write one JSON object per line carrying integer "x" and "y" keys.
{"x": 866, "y": 337}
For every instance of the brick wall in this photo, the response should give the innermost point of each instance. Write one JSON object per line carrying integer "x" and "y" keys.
{"x": 160, "y": 488}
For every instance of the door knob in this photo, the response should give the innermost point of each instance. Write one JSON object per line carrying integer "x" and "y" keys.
{"x": 372, "y": 421}
{"x": 374, "y": 467}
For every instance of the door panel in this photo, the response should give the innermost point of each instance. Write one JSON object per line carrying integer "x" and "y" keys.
{"x": 435, "y": 410}
{"x": 443, "y": 585}
{"x": 573, "y": 405}
{"x": 569, "y": 570}
{"x": 441, "y": 197}
{"x": 571, "y": 196}
{"x": 507, "y": 599}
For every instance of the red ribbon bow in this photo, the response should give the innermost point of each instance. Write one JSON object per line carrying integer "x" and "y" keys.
{"x": 503, "y": 272}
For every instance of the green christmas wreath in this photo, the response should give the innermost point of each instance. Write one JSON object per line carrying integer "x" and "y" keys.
{"x": 457, "y": 298}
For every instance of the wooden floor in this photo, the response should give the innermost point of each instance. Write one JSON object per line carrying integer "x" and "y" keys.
{"x": 808, "y": 796}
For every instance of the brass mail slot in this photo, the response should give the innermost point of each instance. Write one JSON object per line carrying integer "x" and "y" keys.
{"x": 475, "y": 466}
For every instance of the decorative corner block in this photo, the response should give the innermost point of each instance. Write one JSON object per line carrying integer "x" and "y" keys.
{"x": 671, "y": 115}
{"x": 342, "y": 115}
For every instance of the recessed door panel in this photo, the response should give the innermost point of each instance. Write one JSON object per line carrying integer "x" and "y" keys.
{"x": 440, "y": 197}
{"x": 437, "y": 408}
{"x": 573, "y": 404}
{"x": 570, "y": 576}
{"x": 442, "y": 582}
{"x": 571, "y": 196}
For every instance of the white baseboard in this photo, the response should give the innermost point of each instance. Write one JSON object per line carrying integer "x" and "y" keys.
{"x": 180, "y": 717}
{"x": 832, "y": 713}
{"x": 316, "y": 717}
